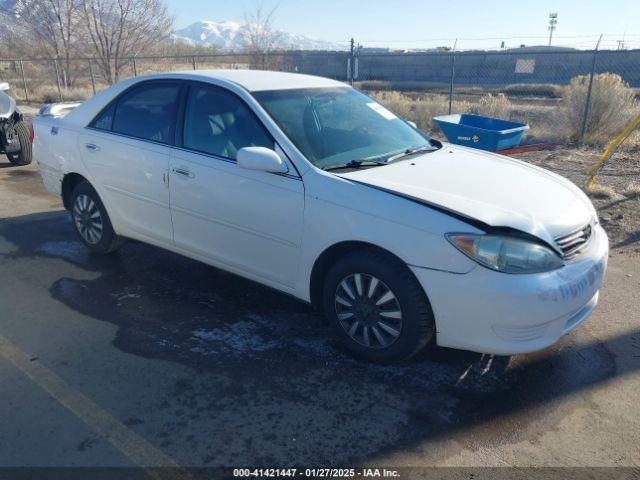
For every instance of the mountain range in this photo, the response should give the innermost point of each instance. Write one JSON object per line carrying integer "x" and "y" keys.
{"x": 234, "y": 35}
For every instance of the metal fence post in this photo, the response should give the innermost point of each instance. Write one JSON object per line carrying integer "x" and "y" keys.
{"x": 193, "y": 62}
{"x": 351, "y": 60}
{"x": 135, "y": 67}
{"x": 93, "y": 81}
{"x": 453, "y": 73}
{"x": 24, "y": 82}
{"x": 589, "y": 89}
{"x": 55, "y": 64}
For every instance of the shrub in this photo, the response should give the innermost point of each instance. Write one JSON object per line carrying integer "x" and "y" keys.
{"x": 50, "y": 94}
{"x": 612, "y": 104}
{"x": 374, "y": 85}
{"x": 547, "y": 90}
{"x": 495, "y": 106}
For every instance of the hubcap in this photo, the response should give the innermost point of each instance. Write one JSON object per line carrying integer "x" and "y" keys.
{"x": 87, "y": 219}
{"x": 368, "y": 310}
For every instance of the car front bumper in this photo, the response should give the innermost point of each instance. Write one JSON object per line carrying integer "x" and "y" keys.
{"x": 492, "y": 312}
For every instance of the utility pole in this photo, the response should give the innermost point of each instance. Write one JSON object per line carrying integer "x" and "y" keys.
{"x": 553, "y": 21}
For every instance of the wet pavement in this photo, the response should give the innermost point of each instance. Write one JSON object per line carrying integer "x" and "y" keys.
{"x": 212, "y": 369}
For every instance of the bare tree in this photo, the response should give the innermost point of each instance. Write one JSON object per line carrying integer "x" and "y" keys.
{"x": 261, "y": 37}
{"x": 118, "y": 30}
{"x": 50, "y": 27}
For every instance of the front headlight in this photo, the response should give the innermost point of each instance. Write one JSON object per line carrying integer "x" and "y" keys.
{"x": 506, "y": 254}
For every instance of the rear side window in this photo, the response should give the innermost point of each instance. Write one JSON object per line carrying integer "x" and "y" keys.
{"x": 219, "y": 123}
{"x": 104, "y": 121}
{"x": 148, "y": 112}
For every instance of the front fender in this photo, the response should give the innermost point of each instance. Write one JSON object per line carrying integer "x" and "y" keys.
{"x": 338, "y": 210}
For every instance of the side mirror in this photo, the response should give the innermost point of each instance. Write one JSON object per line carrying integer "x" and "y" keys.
{"x": 413, "y": 124}
{"x": 261, "y": 159}
{"x": 4, "y": 86}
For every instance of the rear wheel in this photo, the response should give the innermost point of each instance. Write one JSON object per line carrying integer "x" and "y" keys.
{"x": 376, "y": 307}
{"x": 23, "y": 156}
{"x": 91, "y": 221}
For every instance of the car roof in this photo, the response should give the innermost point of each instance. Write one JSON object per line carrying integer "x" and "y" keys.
{"x": 260, "y": 80}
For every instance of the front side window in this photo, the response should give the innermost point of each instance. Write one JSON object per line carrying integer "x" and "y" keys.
{"x": 219, "y": 123}
{"x": 148, "y": 112}
{"x": 334, "y": 126}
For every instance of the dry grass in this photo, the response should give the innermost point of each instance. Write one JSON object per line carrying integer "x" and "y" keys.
{"x": 495, "y": 106}
{"x": 632, "y": 190}
{"x": 613, "y": 104}
{"x": 603, "y": 192}
{"x": 49, "y": 94}
{"x": 420, "y": 110}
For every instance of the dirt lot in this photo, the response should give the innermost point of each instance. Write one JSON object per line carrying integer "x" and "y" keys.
{"x": 148, "y": 358}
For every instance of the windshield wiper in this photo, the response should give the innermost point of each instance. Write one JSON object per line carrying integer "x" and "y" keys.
{"x": 386, "y": 158}
{"x": 411, "y": 151}
{"x": 354, "y": 164}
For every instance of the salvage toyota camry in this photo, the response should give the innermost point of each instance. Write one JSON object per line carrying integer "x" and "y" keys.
{"x": 308, "y": 186}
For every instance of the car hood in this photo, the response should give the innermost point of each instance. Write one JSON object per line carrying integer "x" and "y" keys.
{"x": 496, "y": 190}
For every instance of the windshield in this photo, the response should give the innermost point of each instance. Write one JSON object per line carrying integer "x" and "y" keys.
{"x": 335, "y": 126}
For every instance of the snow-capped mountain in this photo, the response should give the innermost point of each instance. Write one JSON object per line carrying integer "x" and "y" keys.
{"x": 233, "y": 36}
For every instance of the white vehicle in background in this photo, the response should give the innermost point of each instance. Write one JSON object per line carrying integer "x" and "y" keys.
{"x": 15, "y": 135}
{"x": 309, "y": 186}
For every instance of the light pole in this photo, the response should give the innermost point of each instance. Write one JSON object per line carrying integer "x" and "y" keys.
{"x": 553, "y": 21}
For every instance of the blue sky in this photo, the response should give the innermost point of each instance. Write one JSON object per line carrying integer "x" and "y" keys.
{"x": 425, "y": 23}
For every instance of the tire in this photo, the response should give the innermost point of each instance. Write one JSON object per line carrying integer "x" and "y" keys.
{"x": 91, "y": 221}
{"x": 404, "y": 323}
{"x": 24, "y": 156}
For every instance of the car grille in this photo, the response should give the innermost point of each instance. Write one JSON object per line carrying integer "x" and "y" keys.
{"x": 574, "y": 242}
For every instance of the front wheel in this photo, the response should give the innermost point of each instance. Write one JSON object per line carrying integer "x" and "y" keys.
{"x": 376, "y": 307}
{"x": 24, "y": 155}
{"x": 91, "y": 221}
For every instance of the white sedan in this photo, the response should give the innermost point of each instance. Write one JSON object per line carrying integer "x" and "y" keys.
{"x": 310, "y": 187}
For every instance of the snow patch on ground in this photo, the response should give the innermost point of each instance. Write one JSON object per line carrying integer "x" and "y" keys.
{"x": 241, "y": 337}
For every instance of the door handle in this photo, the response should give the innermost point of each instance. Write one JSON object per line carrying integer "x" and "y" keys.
{"x": 92, "y": 147}
{"x": 183, "y": 171}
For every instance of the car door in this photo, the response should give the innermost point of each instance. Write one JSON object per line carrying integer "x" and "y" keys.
{"x": 247, "y": 221}
{"x": 127, "y": 150}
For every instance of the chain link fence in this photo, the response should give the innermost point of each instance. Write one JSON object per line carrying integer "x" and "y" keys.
{"x": 55, "y": 80}
{"x": 566, "y": 96}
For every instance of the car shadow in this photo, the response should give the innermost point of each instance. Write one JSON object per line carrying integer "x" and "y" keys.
{"x": 281, "y": 385}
